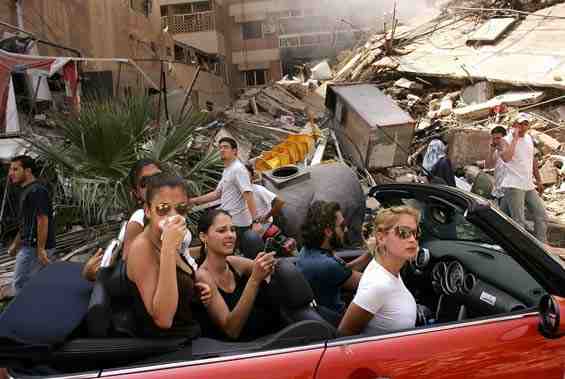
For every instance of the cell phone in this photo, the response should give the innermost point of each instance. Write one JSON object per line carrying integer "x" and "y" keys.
{"x": 269, "y": 245}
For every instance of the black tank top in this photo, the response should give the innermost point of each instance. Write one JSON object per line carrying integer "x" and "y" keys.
{"x": 263, "y": 319}
{"x": 184, "y": 324}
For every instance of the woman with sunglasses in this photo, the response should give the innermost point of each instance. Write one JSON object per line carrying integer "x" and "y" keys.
{"x": 139, "y": 175}
{"x": 164, "y": 281}
{"x": 382, "y": 302}
{"x": 235, "y": 309}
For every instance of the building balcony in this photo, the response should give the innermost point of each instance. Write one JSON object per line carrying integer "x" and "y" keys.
{"x": 189, "y": 23}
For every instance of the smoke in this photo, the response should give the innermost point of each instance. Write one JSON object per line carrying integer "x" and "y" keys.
{"x": 374, "y": 13}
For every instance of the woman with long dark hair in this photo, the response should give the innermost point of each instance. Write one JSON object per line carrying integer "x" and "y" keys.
{"x": 164, "y": 280}
{"x": 236, "y": 310}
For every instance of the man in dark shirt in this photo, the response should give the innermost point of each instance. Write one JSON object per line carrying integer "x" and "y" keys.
{"x": 35, "y": 242}
{"x": 322, "y": 232}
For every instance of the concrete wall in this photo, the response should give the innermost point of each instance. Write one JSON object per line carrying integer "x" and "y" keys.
{"x": 205, "y": 41}
{"x": 110, "y": 29}
{"x": 208, "y": 87}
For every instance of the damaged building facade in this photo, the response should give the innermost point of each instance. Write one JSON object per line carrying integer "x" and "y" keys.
{"x": 260, "y": 41}
{"x": 114, "y": 30}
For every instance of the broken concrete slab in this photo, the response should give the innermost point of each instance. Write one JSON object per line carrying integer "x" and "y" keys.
{"x": 491, "y": 30}
{"x": 482, "y": 110}
{"x": 478, "y": 93}
{"x": 546, "y": 144}
{"x": 408, "y": 84}
{"x": 467, "y": 146}
{"x": 549, "y": 173}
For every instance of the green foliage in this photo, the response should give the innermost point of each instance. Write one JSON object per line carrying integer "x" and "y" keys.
{"x": 98, "y": 148}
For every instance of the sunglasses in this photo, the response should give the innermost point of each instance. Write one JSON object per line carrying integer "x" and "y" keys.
{"x": 144, "y": 180}
{"x": 405, "y": 232}
{"x": 164, "y": 209}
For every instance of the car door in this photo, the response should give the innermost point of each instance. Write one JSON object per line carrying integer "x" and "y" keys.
{"x": 504, "y": 344}
{"x": 504, "y": 347}
{"x": 294, "y": 363}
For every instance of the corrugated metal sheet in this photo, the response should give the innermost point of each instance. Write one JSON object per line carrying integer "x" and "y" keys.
{"x": 531, "y": 54}
{"x": 372, "y": 105}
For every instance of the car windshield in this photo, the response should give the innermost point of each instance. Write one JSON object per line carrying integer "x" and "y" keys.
{"x": 439, "y": 222}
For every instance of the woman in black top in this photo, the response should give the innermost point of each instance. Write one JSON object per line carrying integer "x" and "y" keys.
{"x": 163, "y": 280}
{"x": 237, "y": 312}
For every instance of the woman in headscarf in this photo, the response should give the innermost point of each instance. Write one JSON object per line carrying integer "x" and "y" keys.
{"x": 437, "y": 165}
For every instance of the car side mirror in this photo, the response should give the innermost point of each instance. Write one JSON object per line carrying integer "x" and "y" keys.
{"x": 552, "y": 325}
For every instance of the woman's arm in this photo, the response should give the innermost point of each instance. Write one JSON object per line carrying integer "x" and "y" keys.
{"x": 157, "y": 282}
{"x": 354, "y": 320}
{"x": 232, "y": 322}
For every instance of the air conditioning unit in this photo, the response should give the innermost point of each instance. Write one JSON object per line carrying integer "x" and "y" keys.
{"x": 269, "y": 27}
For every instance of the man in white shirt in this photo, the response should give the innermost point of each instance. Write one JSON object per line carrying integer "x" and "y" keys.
{"x": 521, "y": 167}
{"x": 494, "y": 160}
{"x": 234, "y": 190}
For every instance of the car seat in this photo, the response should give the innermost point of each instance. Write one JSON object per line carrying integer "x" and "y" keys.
{"x": 290, "y": 289}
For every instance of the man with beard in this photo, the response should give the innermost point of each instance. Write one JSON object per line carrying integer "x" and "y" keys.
{"x": 323, "y": 232}
{"x": 35, "y": 242}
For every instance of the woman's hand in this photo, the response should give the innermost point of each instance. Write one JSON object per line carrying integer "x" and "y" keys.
{"x": 263, "y": 266}
{"x": 204, "y": 292}
{"x": 174, "y": 229}
{"x": 91, "y": 266}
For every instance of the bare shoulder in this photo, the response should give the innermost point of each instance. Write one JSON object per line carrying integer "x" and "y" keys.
{"x": 141, "y": 256}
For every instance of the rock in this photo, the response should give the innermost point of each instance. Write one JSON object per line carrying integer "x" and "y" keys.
{"x": 549, "y": 173}
{"x": 546, "y": 144}
{"x": 408, "y": 84}
{"x": 467, "y": 146}
{"x": 478, "y": 93}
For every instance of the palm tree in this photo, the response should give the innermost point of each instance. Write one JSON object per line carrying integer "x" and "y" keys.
{"x": 96, "y": 149}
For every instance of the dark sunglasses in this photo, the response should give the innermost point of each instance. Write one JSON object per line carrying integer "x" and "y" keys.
{"x": 163, "y": 209}
{"x": 144, "y": 180}
{"x": 405, "y": 232}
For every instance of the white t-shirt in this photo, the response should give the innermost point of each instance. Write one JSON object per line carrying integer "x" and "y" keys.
{"x": 499, "y": 171}
{"x": 387, "y": 298}
{"x": 138, "y": 216}
{"x": 263, "y": 200}
{"x": 519, "y": 172}
{"x": 235, "y": 181}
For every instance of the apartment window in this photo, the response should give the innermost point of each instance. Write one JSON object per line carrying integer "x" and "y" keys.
{"x": 202, "y": 6}
{"x": 142, "y": 6}
{"x": 164, "y": 11}
{"x": 252, "y": 30}
{"x": 182, "y": 8}
{"x": 255, "y": 77}
{"x": 179, "y": 53}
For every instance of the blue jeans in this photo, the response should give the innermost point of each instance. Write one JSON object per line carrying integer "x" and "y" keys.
{"x": 514, "y": 201}
{"x": 27, "y": 265}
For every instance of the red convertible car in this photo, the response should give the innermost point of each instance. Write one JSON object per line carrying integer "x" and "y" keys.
{"x": 494, "y": 298}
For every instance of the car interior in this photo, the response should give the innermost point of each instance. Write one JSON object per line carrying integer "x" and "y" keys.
{"x": 455, "y": 277}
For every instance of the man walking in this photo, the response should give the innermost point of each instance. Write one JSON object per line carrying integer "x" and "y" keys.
{"x": 521, "y": 167}
{"x": 234, "y": 190}
{"x": 35, "y": 242}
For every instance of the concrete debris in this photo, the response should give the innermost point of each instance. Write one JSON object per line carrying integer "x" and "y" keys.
{"x": 408, "y": 84}
{"x": 477, "y": 93}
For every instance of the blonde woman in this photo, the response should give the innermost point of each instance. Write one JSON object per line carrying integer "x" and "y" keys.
{"x": 382, "y": 302}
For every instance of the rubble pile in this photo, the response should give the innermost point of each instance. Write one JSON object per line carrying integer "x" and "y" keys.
{"x": 462, "y": 109}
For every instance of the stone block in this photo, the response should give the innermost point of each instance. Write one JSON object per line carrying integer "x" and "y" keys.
{"x": 467, "y": 146}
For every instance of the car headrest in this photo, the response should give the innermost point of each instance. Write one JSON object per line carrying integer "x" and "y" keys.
{"x": 114, "y": 279}
{"x": 288, "y": 287}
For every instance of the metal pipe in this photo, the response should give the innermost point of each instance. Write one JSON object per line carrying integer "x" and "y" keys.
{"x": 20, "y": 13}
